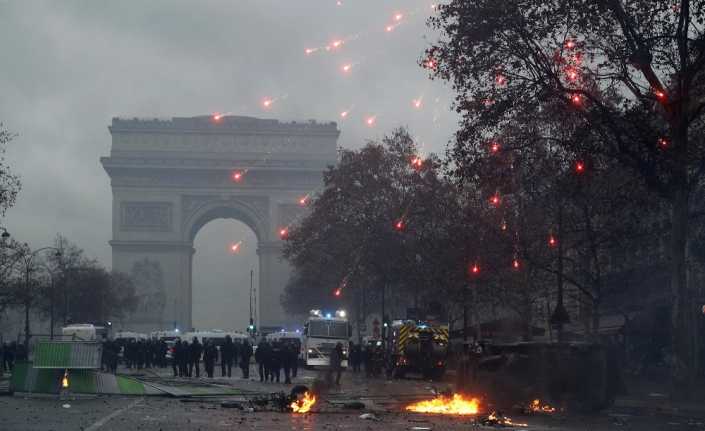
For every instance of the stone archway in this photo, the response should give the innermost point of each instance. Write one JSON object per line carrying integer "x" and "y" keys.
{"x": 171, "y": 177}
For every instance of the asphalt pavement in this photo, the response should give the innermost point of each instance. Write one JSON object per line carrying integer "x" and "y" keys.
{"x": 383, "y": 400}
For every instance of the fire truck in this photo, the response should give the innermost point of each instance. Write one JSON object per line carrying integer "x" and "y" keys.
{"x": 418, "y": 347}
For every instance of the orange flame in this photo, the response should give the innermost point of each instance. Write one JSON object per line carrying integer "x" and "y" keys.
{"x": 457, "y": 405}
{"x": 65, "y": 380}
{"x": 497, "y": 419}
{"x": 303, "y": 405}
{"x": 537, "y": 407}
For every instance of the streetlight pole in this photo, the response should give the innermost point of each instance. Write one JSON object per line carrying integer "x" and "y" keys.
{"x": 252, "y": 284}
{"x": 28, "y": 259}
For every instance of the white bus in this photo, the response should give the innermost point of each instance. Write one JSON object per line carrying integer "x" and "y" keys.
{"x": 321, "y": 333}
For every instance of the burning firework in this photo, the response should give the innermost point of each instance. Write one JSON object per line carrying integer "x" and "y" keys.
{"x": 537, "y": 407}
{"x": 456, "y": 405}
{"x": 304, "y": 403}
{"x": 498, "y": 419}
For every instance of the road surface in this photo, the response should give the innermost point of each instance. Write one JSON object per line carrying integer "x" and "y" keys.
{"x": 385, "y": 400}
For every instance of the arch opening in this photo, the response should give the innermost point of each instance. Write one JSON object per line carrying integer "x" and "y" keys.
{"x": 222, "y": 278}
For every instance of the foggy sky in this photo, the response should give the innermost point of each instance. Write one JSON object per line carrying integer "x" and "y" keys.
{"x": 68, "y": 67}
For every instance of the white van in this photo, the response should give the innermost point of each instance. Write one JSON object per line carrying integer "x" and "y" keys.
{"x": 85, "y": 332}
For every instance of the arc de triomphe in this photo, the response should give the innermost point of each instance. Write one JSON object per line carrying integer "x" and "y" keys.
{"x": 171, "y": 177}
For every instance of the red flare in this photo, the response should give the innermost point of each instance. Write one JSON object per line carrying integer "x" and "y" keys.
{"x": 237, "y": 176}
{"x": 552, "y": 241}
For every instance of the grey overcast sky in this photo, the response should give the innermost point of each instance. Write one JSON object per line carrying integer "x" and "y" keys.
{"x": 68, "y": 67}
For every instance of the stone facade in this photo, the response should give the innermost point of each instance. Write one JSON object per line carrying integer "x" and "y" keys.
{"x": 171, "y": 177}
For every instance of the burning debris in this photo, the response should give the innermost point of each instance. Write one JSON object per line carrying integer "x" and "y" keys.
{"x": 537, "y": 407}
{"x": 303, "y": 403}
{"x": 445, "y": 405}
{"x": 497, "y": 419}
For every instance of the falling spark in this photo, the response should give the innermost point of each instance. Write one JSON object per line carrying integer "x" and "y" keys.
{"x": 417, "y": 103}
{"x": 663, "y": 142}
{"x": 580, "y": 167}
{"x": 336, "y": 43}
{"x": 371, "y": 121}
{"x": 217, "y": 116}
{"x": 494, "y": 147}
{"x": 237, "y": 176}
{"x": 475, "y": 269}
{"x": 434, "y": 6}
{"x": 338, "y": 292}
{"x": 389, "y": 28}
{"x": 344, "y": 114}
{"x": 235, "y": 248}
{"x": 303, "y": 201}
{"x": 310, "y": 51}
{"x": 283, "y": 233}
{"x": 399, "y": 225}
{"x": 552, "y": 241}
{"x": 339, "y": 3}
{"x": 515, "y": 263}
{"x": 576, "y": 99}
{"x": 570, "y": 44}
{"x": 346, "y": 68}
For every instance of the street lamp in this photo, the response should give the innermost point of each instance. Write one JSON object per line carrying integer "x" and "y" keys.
{"x": 27, "y": 259}
{"x": 51, "y": 297}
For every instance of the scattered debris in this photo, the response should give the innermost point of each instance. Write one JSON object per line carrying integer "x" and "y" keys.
{"x": 354, "y": 405}
{"x": 232, "y": 405}
{"x": 369, "y": 416}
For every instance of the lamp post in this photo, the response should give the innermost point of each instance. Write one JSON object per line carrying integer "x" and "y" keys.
{"x": 51, "y": 300}
{"x": 28, "y": 259}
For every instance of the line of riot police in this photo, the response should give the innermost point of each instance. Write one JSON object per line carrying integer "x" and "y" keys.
{"x": 275, "y": 356}
{"x": 187, "y": 357}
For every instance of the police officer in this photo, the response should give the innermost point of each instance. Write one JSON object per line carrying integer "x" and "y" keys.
{"x": 262, "y": 358}
{"x": 245, "y": 355}
{"x": 174, "y": 358}
{"x": 227, "y": 354}
{"x": 336, "y": 364}
{"x": 184, "y": 359}
{"x": 209, "y": 355}
{"x": 290, "y": 358}
{"x": 196, "y": 349}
